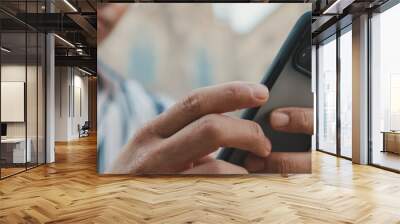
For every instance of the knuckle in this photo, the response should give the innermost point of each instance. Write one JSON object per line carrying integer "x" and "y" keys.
{"x": 147, "y": 159}
{"x": 139, "y": 163}
{"x": 192, "y": 103}
{"x": 209, "y": 126}
{"x": 256, "y": 129}
{"x": 304, "y": 120}
{"x": 234, "y": 91}
{"x": 141, "y": 136}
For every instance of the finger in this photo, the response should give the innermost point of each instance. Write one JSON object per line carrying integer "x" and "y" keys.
{"x": 216, "y": 99}
{"x": 280, "y": 162}
{"x": 216, "y": 167}
{"x": 207, "y": 134}
{"x": 108, "y": 16}
{"x": 205, "y": 159}
{"x": 293, "y": 120}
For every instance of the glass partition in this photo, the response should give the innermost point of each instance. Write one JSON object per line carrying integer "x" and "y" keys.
{"x": 14, "y": 153}
{"x": 31, "y": 99}
{"x": 22, "y": 77}
{"x": 33, "y": 57}
{"x": 41, "y": 96}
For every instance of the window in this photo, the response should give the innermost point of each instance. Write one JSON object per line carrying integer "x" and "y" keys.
{"x": 327, "y": 97}
{"x": 346, "y": 94}
{"x": 385, "y": 89}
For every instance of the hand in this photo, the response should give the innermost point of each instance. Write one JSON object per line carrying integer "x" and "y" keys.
{"x": 292, "y": 120}
{"x": 182, "y": 138}
{"x": 108, "y": 16}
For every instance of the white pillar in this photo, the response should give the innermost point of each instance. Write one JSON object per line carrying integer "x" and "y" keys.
{"x": 50, "y": 99}
{"x": 360, "y": 90}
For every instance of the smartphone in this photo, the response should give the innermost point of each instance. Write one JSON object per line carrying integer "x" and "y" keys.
{"x": 289, "y": 82}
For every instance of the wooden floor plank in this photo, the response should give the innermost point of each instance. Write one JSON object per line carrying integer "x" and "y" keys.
{"x": 70, "y": 191}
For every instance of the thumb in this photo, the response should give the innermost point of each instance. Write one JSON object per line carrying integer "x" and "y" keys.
{"x": 293, "y": 120}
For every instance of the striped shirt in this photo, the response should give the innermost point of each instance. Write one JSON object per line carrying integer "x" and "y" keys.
{"x": 124, "y": 106}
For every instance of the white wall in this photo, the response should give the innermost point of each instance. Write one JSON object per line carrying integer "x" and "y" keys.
{"x": 70, "y": 83}
{"x": 12, "y": 73}
{"x": 16, "y": 73}
{"x": 33, "y": 126}
{"x": 61, "y": 103}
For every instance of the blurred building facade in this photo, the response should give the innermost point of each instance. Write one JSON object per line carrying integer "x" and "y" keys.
{"x": 172, "y": 49}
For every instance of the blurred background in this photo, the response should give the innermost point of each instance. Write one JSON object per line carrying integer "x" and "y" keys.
{"x": 173, "y": 48}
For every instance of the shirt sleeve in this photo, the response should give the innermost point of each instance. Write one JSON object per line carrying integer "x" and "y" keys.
{"x": 123, "y": 108}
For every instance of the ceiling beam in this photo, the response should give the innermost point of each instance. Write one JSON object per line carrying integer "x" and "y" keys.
{"x": 81, "y": 61}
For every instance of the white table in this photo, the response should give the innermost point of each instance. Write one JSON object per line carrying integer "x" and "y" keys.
{"x": 18, "y": 144}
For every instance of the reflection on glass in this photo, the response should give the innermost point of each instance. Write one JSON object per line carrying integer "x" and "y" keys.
{"x": 31, "y": 100}
{"x": 22, "y": 92}
{"x": 346, "y": 94}
{"x": 14, "y": 153}
{"x": 385, "y": 114}
{"x": 41, "y": 99}
{"x": 327, "y": 96}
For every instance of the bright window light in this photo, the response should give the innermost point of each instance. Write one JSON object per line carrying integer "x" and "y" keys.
{"x": 243, "y": 17}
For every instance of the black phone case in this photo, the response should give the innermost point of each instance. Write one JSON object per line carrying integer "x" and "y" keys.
{"x": 297, "y": 44}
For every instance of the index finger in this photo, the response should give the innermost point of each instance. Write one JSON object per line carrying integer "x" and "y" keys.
{"x": 215, "y": 99}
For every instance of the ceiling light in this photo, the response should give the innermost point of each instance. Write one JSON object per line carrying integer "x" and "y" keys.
{"x": 337, "y": 7}
{"x": 5, "y": 50}
{"x": 65, "y": 41}
{"x": 70, "y": 5}
{"x": 84, "y": 71}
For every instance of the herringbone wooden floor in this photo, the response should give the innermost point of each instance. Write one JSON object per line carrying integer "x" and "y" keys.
{"x": 70, "y": 191}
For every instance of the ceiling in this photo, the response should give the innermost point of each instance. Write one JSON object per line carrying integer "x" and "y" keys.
{"x": 72, "y": 20}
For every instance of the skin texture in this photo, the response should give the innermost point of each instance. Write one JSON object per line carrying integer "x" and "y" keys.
{"x": 292, "y": 120}
{"x": 182, "y": 138}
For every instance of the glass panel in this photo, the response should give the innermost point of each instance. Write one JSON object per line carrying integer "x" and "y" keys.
{"x": 327, "y": 96}
{"x": 346, "y": 94}
{"x": 385, "y": 84}
{"x": 13, "y": 86}
{"x": 32, "y": 90}
{"x": 31, "y": 98}
{"x": 41, "y": 99}
{"x": 23, "y": 90}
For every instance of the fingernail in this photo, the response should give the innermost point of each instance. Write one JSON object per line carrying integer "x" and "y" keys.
{"x": 259, "y": 91}
{"x": 280, "y": 119}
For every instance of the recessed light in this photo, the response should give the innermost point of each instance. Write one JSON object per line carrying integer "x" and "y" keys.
{"x": 5, "y": 49}
{"x": 64, "y": 40}
{"x": 70, "y": 5}
{"x": 84, "y": 71}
